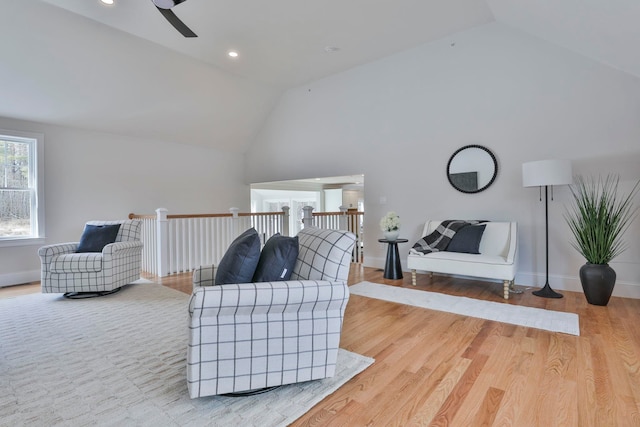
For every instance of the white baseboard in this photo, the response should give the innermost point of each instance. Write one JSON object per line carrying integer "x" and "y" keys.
{"x": 535, "y": 280}
{"x": 568, "y": 283}
{"x": 373, "y": 262}
{"x": 19, "y": 278}
{"x": 561, "y": 283}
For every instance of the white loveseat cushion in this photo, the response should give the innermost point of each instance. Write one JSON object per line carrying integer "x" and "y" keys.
{"x": 467, "y": 258}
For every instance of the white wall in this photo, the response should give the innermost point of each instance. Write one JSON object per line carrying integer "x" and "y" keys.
{"x": 352, "y": 198}
{"x": 399, "y": 119}
{"x": 332, "y": 199}
{"x": 91, "y": 175}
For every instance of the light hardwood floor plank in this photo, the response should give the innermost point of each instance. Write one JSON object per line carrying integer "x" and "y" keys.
{"x": 488, "y": 409}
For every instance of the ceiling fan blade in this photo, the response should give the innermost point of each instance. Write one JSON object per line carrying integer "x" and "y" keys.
{"x": 176, "y": 22}
{"x": 167, "y": 4}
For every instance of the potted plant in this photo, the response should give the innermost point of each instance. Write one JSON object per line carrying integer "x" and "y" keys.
{"x": 598, "y": 218}
{"x": 390, "y": 225}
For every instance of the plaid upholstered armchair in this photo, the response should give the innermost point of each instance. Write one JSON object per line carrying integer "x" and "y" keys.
{"x": 253, "y": 336}
{"x": 98, "y": 269}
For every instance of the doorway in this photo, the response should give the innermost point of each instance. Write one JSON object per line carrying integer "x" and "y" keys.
{"x": 326, "y": 196}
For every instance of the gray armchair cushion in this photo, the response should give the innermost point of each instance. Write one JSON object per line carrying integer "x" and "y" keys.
{"x": 88, "y": 262}
{"x": 95, "y": 237}
{"x": 130, "y": 229}
{"x": 241, "y": 259}
{"x": 204, "y": 275}
{"x": 324, "y": 255}
{"x": 277, "y": 259}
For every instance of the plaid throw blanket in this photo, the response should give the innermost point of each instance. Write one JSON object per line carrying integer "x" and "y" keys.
{"x": 440, "y": 238}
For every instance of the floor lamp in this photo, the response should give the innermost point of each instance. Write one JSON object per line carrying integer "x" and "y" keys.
{"x": 546, "y": 173}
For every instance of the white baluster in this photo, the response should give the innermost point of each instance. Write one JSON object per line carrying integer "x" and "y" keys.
{"x": 235, "y": 226}
{"x": 285, "y": 220}
{"x": 163, "y": 242}
{"x": 307, "y": 218}
{"x": 343, "y": 220}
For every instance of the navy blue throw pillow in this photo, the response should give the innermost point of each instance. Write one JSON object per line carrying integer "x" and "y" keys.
{"x": 277, "y": 259}
{"x": 467, "y": 239}
{"x": 95, "y": 237}
{"x": 241, "y": 259}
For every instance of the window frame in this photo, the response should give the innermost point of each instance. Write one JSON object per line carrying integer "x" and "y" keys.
{"x": 36, "y": 176}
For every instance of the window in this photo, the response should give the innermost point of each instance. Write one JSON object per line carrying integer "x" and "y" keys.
{"x": 21, "y": 189}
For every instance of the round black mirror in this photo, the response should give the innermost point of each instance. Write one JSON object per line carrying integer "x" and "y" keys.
{"x": 472, "y": 169}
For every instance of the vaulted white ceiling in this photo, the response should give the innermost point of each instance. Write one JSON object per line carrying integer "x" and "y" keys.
{"x": 607, "y": 31}
{"x": 282, "y": 42}
{"x": 124, "y": 69}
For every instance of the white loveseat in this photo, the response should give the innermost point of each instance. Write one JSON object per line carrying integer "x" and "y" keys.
{"x": 497, "y": 258}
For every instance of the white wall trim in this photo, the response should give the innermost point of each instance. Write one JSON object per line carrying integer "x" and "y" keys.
{"x": 31, "y": 241}
{"x": 622, "y": 289}
{"x": 19, "y": 278}
{"x": 375, "y": 262}
{"x": 569, "y": 283}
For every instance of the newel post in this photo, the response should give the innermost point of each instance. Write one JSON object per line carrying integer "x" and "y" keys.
{"x": 285, "y": 220}
{"x": 235, "y": 219}
{"x": 307, "y": 218}
{"x": 162, "y": 237}
{"x": 343, "y": 223}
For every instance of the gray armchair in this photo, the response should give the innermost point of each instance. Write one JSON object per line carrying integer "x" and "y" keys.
{"x": 252, "y": 336}
{"x": 98, "y": 273}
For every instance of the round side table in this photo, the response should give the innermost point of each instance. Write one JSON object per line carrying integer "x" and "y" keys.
{"x": 393, "y": 267}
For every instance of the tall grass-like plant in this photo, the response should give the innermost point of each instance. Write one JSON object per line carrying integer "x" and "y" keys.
{"x": 599, "y": 216}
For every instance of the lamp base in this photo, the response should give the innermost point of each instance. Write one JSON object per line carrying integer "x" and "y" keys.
{"x": 547, "y": 292}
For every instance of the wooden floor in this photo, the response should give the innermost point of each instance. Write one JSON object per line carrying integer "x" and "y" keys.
{"x": 435, "y": 368}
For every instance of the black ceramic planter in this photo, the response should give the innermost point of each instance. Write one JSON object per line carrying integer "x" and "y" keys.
{"x": 597, "y": 282}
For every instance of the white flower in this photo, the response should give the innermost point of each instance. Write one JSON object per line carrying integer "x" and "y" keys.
{"x": 389, "y": 222}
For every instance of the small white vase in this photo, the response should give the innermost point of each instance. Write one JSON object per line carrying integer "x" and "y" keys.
{"x": 391, "y": 235}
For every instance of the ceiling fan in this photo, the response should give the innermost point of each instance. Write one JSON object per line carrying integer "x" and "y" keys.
{"x": 164, "y": 6}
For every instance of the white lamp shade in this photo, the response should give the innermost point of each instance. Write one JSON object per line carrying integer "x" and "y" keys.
{"x": 546, "y": 172}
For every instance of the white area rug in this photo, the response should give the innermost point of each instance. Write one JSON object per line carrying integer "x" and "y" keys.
{"x": 554, "y": 321}
{"x": 121, "y": 360}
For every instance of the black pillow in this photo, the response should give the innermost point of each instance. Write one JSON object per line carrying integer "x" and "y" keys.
{"x": 467, "y": 239}
{"x": 277, "y": 259}
{"x": 95, "y": 237}
{"x": 241, "y": 259}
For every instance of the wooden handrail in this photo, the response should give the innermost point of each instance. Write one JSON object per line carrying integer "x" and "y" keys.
{"x": 336, "y": 213}
{"x": 180, "y": 216}
{"x": 220, "y": 215}
{"x": 138, "y": 216}
{"x": 261, "y": 214}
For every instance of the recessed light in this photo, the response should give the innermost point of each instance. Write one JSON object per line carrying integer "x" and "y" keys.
{"x": 232, "y": 54}
{"x": 107, "y": 1}
{"x": 331, "y": 49}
